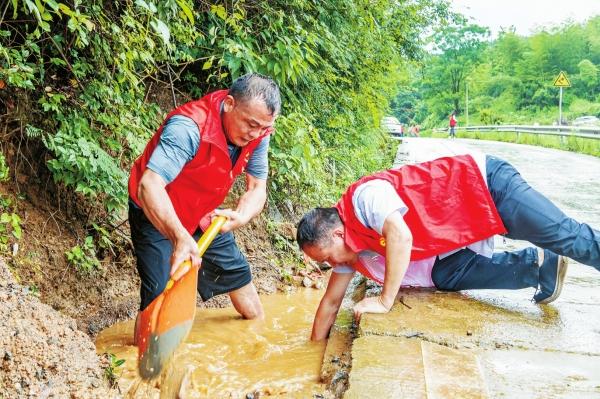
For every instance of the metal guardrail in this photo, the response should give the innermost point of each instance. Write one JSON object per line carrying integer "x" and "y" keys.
{"x": 562, "y": 131}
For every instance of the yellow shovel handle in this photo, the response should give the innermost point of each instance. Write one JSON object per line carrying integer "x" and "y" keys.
{"x": 203, "y": 243}
{"x": 210, "y": 233}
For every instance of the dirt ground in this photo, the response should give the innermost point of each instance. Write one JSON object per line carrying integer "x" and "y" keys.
{"x": 42, "y": 353}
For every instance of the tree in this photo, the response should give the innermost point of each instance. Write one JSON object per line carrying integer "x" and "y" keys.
{"x": 507, "y": 51}
{"x": 511, "y": 76}
{"x": 588, "y": 77}
{"x": 460, "y": 46}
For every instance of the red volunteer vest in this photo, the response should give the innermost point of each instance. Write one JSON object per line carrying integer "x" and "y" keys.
{"x": 449, "y": 207}
{"x": 204, "y": 182}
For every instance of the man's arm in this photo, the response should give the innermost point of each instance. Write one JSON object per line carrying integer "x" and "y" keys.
{"x": 249, "y": 205}
{"x": 330, "y": 304}
{"x": 398, "y": 239}
{"x": 159, "y": 210}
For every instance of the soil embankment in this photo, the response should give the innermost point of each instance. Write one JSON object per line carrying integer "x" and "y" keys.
{"x": 42, "y": 353}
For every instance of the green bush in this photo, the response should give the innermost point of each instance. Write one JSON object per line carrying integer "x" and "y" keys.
{"x": 3, "y": 169}
{"x": 87, "y": 69}
{"x": 83, "y": 258}
{"x": 580, "y": 107}
{"x": 10, "y": 223}
{"x": 487, "y": 117}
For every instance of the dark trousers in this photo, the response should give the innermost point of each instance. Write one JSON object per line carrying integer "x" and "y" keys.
{"x": 224, "y": 267}
{"x": 527, "y": 215}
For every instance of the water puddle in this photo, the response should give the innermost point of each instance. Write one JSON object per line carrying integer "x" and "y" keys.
{"x": 228, "y": 357}
{"x": 541, "y": 374}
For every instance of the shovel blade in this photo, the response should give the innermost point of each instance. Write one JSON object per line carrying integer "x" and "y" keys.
{"x": 165, "y": 324}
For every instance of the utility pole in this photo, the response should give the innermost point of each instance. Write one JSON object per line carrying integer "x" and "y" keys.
{"x": 467, "y": 101}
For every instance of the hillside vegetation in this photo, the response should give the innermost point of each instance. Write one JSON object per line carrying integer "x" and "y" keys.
{"x": 509, "y": 79}
{"x": 85, "y": 83}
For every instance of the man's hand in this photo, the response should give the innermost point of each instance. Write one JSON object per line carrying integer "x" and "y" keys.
{"x": 371, "y": 305}
{"x": 185, "y": 248}
{"x": 234, "y": 219}
{"x": 330, "y": 304}
{"x": 249, "y": 205}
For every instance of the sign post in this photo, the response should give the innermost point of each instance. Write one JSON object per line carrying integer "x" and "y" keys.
{"x": 560, "y": 82}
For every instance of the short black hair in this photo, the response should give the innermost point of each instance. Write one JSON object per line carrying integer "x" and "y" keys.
{"x": 256, "y": 86}
{"x": 313, "y": 227}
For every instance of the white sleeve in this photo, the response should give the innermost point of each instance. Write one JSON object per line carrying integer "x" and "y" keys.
{"x": 342, "y": 269}
{"x": 374, "y": 201}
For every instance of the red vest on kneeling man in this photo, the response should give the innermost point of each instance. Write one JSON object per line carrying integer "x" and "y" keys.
{"x": 449, "y": 207}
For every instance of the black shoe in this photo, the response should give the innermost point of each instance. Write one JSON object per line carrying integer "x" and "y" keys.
{"x": 552, "y": 276}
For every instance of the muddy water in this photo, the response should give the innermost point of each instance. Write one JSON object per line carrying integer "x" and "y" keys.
{"x": 226, "y": 356}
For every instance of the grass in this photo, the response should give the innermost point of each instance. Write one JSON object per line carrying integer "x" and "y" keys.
{"x": 573, "y": 144}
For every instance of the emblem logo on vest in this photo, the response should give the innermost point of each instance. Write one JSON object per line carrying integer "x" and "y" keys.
{"x": 382, "y": 241}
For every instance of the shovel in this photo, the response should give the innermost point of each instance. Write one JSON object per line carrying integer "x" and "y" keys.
{"x": 166, "y": 322}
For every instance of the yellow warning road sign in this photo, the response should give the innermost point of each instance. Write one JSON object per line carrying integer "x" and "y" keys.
{"x": 562, "y": 80}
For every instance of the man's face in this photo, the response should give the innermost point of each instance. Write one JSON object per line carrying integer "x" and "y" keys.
{"x": 334, "y": 251}
{"x": 245, "y": 121}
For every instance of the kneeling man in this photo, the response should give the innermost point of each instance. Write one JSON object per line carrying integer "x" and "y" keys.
{"x": 433, "y": 224}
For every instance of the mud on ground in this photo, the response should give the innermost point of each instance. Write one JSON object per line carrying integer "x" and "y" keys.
{"x": 42, "y": 353}
{"x": 101, "y": 298}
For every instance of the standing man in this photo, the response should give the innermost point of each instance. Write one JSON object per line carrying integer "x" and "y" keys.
{"x": 452, "y": 122}
{"x": 432, "y": 225}
{"x": 185, "y": 173}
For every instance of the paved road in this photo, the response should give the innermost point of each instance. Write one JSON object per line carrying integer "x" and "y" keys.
{"x": 493, "y": 343}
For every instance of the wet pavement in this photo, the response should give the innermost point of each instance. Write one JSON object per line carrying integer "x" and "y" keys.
{"x": 492, "y": 343}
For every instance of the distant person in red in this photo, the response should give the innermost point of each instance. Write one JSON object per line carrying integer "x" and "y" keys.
{"x": 452, "y": 123}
